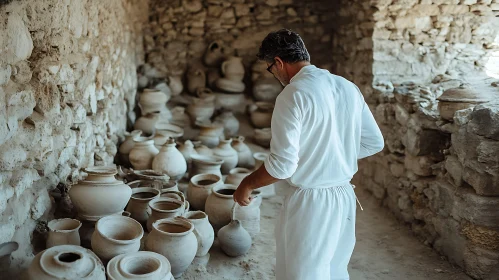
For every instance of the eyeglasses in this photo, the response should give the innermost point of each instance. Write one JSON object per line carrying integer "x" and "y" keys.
{"x": 268, "y": 68}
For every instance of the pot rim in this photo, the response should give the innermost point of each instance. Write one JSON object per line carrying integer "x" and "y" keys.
{"x": 166, "y": 199}
{"x": 237, "y": 170}
{"x": 55, "y": 221}
{"x": 8, "y": 248}
{"x": 206, "y": 176}
{"x": 259, "y": 156}
{"x": 207, "y": 159}
{"x": 116, "y": 264}
{"x": 192, "y": 213}
{"x": 101, "y": 170}
{"x": 143, "y": 141}
{"x": 124, "y": 218}
{"x": 144, "y": 189}
{"x": 178, "y": 221}
{"x": 221, "y": 187}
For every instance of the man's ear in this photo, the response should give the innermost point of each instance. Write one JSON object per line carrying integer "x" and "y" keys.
{"x": 279, "y": 62}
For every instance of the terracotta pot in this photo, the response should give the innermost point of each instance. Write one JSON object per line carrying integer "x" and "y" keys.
{"x": 214, "y": 54}
{"x": 151, "y": 100}
{"x": 200, "y": 110}
{"x": 263, "y": 136}
{"x": 196, "y": 78}
{"x": 267, "y": 89}
{"x": 199, "y": 189}
{"x": 169, "y": 130}
{"x": 237, "y": 175}
{"x": 233, "y": 69}
{"x": 66, "y": 262}
{"x": 261, "y": 114}
{"x": 206, "y": 165}
{"x": 115, "y": 235}
{"x": 234, "y": 239}
{"x": 244, "y": 156}
{"x": 169, "y": 186}
{"x": 201, "y": 149}
{"x": 147, "y": 123}
{"x": 230, "y": 85}
{"x": 63, "y": 232}
{"x": 203, "y": 231}
{"x": 229, "y": 122}
{"x": 209, "y": 134}
{"x": 99, "y": 194}
{"x": 128, "y": 144}
{"x": 138, "y": 206}
{"x": 179, "y": 117}
{"x": 139, "y": 265}
{"x": 460, "y": 98}
{"x": 142, "y": 154}
{"x": 174, "y": 239}
{"x": 225, "y": 152}
{"x": 175, "y": 83}
{"x": 170, "y": 161}
{"x": 148, "y": 175}
{"x": 164, "y": 207}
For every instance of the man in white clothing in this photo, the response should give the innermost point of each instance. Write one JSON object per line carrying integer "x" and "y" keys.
{"x": 321, "y": 126}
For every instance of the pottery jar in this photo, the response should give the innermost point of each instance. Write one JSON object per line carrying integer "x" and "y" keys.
{"x": 142, "y": 154}
{"x": 147, "y": 122}
{"x": 267, "y": 89}
{"x": 460, "y": 98}
{"x": 170, "y": 186}
{"x": 169, "y": 130}
{"x": 66, "y": 262}
{"x": 229, "y": 122}
{"x": 115, "y": 235}
{"x": 200, "y": 187}
{"x": 138, "y": 206}
{"x": 219, "y": 205}
{"x": 212, "y": 75}
{"x": 225, "y": 152}
{"x": 201, "y": 149}
{"x": 196, "y": 78}
{"x": 214, "y": 54}
{"x": 209, "y": 134}
{"x": 128, "y": 144}
{"x": 259, "y": 71}
{"x": 227, "y": 85}
{"x": 230, "y": 101}
{"x": 143, "y": 265}
{"x": 179, "y": 117}
{"x": 151, "y": 100}
{"x": 233, "y": 68}
{"x": 234, "y": 239}
{"x": 148, "y": 175}
{"x": 164, "y": 207}
{"x": 244, "y": 156}
{"x": 203, "y": 231}
{"x": 170, "y": 161}
{"x": 99, "y": 194}
{"x": 63, "y": 232}
{"x": 263, "y": 136}
{"x": 261, "y": 114}
{"x": 249, "y": 216}
{"x": 206, "y": 165}
{"x": 200, "y": 110}
{"x": 174, "y": 239}
{"x": 175, "y": 83}
{"x": 187, "y": 149}
{"x": 237, "y": 175}
{"x": 6, "y": 250}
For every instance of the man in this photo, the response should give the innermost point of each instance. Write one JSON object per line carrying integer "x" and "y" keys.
{"x": 321, "y": 126}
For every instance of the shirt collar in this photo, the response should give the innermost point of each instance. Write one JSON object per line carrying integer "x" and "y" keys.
{"x": 304, "y": 69}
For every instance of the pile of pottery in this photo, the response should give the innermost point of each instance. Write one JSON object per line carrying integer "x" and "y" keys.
{"x": 266, "y": 88}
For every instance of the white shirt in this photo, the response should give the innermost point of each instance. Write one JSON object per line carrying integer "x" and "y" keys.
{"x": 321, "y": 126}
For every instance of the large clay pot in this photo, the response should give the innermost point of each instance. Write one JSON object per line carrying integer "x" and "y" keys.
{"x": 139, "y": 265}
{"x": 237, "y": 175}
{"x": 127, "y": 145}
{"x": 214, "y": 54}
{"x": 200, "y": 187}
{"x": 249, "y": 216}
{"x": 174, "y": 239}
{"x": 219, "y": 205}
{"x": 266, "y": 89}
{"x": 115, "y": 235}
{"x": 261, "y": 114}
{"x": 142, "y": 154}
{"x": 179, "y": 117}
{"x": 263, "y": 136}
{"x": 187, "y": 149}
{"x": 230, "y": 85}
{"x": 170, "y": 161}
{"x": 233, "y": 69}
{"x": 244, "y": 156}
{"x": 66, "y": 262}
{"x": 460, "y": 98}
{"x": 234, "y": 239}
{"x": 206, "y": 165}
{"x": 138, "y": 206}
{"x": 63, "y": 232}
{"x": 230, "y": 101}
{"x": 229, "y": 122}
{"x": 202, "y": 149}
{"x": 210, "y": 134}
{"x": 152, "y": 100}
{"x": 169, "y": 130}
{"x": 147, "y": 123}
{"x": 175, "y": 83}
{"x": 196, "y": 78}
{"x": 203, "y": 231}
{"x": 165, "y": 207}
{"x": 267, "y": 191}
{"x": 99, "y": 194}
{"x": 200, "y": 110}
{"x": 225, "y": 152}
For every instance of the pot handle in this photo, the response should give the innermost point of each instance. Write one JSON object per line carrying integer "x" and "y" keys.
{"x": 224, "y": 64}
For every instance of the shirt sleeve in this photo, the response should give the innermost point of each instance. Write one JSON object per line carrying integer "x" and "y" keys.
{"x": 285, "y": 143}
{"x": 371, "y": 139}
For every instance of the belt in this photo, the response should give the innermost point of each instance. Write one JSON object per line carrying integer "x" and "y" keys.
{"x": 353, "y": 186}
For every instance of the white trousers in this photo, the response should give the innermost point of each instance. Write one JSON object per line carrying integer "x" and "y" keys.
{"x": 315, "y": 234}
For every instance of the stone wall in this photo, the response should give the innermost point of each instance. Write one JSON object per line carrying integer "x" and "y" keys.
{"x": 180, "y": 30}
{"x": 67, "y": 80}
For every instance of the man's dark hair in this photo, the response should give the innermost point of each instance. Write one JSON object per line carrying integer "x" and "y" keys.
{"x": 285, "y": 44}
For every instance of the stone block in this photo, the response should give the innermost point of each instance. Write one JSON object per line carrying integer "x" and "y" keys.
{"x": 484, "y": 120}
{"x": 450, "y": 242}
{"x": 420, "y": 165}
{"x": 476, "y": 209}
{"x": 485, "y": 182}
{"x": 426, "y": 142}
{"x": 455, "y": 170}
{"x": 454, "y": 9}
{"x": 405, "y": 22}
{"x": 11, "y": 158}
{"x": 22, "y": 179}
{"x": 424, "y": 10}
{"x": 488, "y": 153}
{"x": 481, "y": 263}
{"x": 423, "y": 23}
{"x": 15, "y": 40}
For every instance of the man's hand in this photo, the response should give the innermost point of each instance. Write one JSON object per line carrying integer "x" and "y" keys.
{"x": 243, "y": 193}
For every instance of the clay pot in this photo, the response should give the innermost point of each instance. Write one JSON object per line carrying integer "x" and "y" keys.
{"x": 6, "y": 249}
{"x": 142, "y": 154}
{"x": 214, "y": 54}
{"x": 99, "y": 194}
{"x": 225, "y": 152}
{"x": 212, "y": 76}
{"x": 267, "y": 191}
{"x": 169, "y": 130}
{"x": 263, "y": 136}
{"x": 230, "y": 101}
{"x": 147, "y": 122}
{"x": 237, "y": 175}
{"x": 244, "y": 155}
{"x": 259, "y": 71}
{"x": 127, "y": 145}
{"x": 169, "y": 187}
{"x": 200, "y": 109}
{"x": 249, "y": 216}
{"x": 209, "y": 134}
{"x": 219, "y": 205}
{"x": 138, "y": 206}
{"x": 152, "y": 100}
{"x": 261, "y": 114}
{"x": 170, "y": 161}
{"x": 267, "y": 89}
{"x": 233, "y": 69}
{"x": 202, "y": 149}
{"x": 175, "y": 83}
{"x": 230, "y": 85}
{"x": 115, "y": 235}
{"x": 460, "y": 98}
{"x": 229, "y": 122}
{"x": 165, "y": 207}
{"x": 66, "y": 262}
{"x": 199, "y": 189}
{"x": 203, "y": 231}
{"x": 139, "y": 265}
{"x": 234, "y": 239}
{"x": 149, "y": 175}
{"x": 179, "y": 117}
{"x": 195, "y": 79}
{"x": 187, "y": 149}
{"x": 63, "y": 232}
{"x": 174, "y": 239}
{"x": 206, "y": 165}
